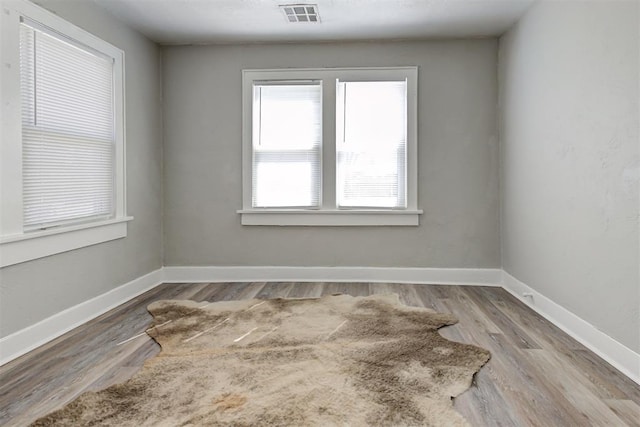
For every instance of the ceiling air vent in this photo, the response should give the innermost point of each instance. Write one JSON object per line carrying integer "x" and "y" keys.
{"x": 300, "y": 12}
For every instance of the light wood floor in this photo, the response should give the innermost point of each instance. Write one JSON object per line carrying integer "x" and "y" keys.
{"x": 537, "y": 375}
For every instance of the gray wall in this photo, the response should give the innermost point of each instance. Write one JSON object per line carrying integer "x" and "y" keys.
{"x": 32, "y": 291}
{"x": 458, "y": 159}
{"x": 569, "y": 101}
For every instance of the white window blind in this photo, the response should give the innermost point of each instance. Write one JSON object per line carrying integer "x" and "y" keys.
{"x": 371, "y": 145}
{"x": 67, "y": 95}
{"x": 287, "y": 135}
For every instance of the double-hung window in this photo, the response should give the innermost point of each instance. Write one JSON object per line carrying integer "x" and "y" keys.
{"x": 63, "y": 143}
{"x": 287, "y": 137}
{"x": 330, "y": 146}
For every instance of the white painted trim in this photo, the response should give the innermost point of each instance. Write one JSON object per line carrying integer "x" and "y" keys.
{"x": 440, "y": 276}
{"x": 31, "y": 337}
{"x": 621, "y": 357}
{"x": 330, "y": 217}
{"x": 28, "y": 246}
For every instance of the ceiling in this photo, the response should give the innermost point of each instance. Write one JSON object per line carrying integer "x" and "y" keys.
{"x": 248, "y": 21}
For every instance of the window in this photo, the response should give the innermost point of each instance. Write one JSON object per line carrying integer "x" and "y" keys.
{"x": 63, "y": 172}
{"x": 286, "y": 138}
{"x": 371, "y": 147}
{"x": 330, "y": 147}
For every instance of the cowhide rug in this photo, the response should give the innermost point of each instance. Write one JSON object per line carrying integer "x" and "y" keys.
{"x": 332, "y": 361}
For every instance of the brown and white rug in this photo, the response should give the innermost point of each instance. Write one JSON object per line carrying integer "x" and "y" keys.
{"x": 331, "y": 361}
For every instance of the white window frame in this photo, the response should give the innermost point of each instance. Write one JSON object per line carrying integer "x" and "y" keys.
{"x": 329, "y": 214}
{"x": 16, "y": 244}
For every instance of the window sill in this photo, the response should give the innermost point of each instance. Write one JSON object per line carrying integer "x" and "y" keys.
{"x": 284, "y": 217}
{"x": 38, "y": 244}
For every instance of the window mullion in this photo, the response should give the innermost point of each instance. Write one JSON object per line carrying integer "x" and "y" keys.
{"x": 329, "y": 143}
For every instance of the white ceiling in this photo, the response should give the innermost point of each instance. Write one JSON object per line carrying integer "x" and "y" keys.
{"x": 237, "y": 21}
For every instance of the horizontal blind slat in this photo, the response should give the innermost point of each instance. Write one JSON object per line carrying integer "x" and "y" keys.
{"x": 68, "y": 130}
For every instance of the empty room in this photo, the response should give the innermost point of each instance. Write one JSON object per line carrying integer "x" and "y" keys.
{"x": 320, "y": 213}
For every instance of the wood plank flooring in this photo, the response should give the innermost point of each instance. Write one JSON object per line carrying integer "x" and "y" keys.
{"x": 537, "y": 375}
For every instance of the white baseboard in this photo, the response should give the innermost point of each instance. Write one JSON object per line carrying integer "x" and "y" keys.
{"x": 618, "y": 355}
{"x": 27, "y": 339}
{"x": 436, "y": 276}
{"x": 31, "y": 337}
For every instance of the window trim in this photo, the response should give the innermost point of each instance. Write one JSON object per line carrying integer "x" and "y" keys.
{"x": 329, "y": 214}
{"x": 16, "y": 244}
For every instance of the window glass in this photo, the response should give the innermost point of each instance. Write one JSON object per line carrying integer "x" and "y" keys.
{"x": 371, "y": 144}
{"x": 287, "y": 134}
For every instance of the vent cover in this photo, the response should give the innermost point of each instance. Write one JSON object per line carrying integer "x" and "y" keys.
{"x": 300, "y": 12}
